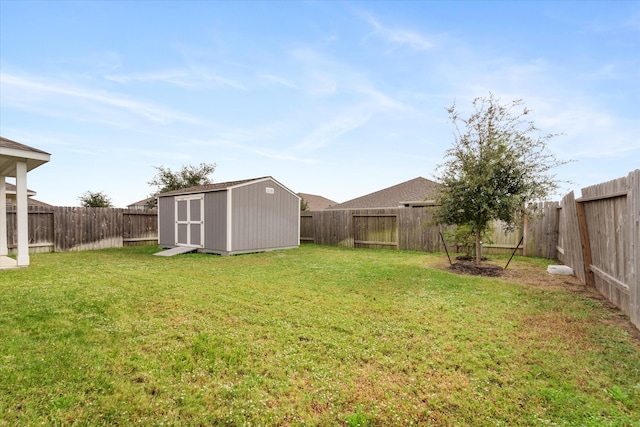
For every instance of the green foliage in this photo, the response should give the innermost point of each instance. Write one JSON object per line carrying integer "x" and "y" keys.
{"x": 90, "y": 199}
{"x": 188, "y": 176}
{"x": 497, "y": 165}
{"x": 464, "y": 236}
{"x": 304, "y": 205}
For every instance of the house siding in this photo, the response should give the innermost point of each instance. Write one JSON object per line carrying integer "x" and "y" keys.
{"x": 262, "y": 220}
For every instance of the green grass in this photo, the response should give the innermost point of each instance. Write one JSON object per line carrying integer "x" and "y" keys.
{"x": 309, "y": 336}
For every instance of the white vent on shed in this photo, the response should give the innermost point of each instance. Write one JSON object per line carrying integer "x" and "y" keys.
{"x": 269, "y": 190}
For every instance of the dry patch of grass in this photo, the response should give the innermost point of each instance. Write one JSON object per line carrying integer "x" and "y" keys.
{"x": 533, "y": 272}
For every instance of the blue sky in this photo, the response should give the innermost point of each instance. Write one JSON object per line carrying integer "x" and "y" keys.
{"x": 333, "y": 98}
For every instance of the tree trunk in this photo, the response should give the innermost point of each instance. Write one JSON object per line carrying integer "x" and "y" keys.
{"x": 478, "y": 258}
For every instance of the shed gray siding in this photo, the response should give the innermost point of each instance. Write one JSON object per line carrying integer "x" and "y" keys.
{"x": 263, "y": 220}
{"x": 166, "y": 222}
{"x": 215, "y": 224}
{"x": 238, "y": 217}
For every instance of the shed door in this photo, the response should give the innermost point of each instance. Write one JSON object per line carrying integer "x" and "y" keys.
{"x": 190, "y": 220}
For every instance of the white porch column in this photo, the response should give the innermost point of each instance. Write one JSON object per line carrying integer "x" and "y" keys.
{"x": 22, "y": 215}
{"x": 4, "y": 251}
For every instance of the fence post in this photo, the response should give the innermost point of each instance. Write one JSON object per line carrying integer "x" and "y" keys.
{"x": 633, "y": 203}
{"x": 525, "y": 235}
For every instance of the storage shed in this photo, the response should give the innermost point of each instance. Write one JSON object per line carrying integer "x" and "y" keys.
{"x": 251, "y": 215}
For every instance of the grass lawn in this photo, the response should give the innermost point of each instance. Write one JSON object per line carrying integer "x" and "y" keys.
{"x": 309, "y": 336}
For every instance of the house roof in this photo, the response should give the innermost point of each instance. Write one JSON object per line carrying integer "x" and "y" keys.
{"x": 30, "y": 202}
{"x": 409, "y": 193}
{"x": 142, "y": 202}
{"x": 11, "y": 190}
{"x": 10, "y": 151}
{"x": 316, "y": 203}
{"x": 11, "y": 194}
{"x": 221, "y": 186}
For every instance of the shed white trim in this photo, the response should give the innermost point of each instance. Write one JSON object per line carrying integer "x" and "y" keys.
{"x": 266, "y": 178}
{"x": 190, "y": 221}
{"x": 229, "y": 221}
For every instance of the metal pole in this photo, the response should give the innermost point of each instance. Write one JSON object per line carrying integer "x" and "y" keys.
{"x": 514, "y": 252}
{"x": 445, "y": 246}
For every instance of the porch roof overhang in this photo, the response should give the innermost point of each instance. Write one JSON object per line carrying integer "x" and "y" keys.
{"x": 12, "y": 152}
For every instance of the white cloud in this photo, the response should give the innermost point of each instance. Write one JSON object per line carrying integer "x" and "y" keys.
{"x": 262, "y": 152}
{"x": 176, "y": 77}
{"x": 279, "y": 80}
{"x": 101, "y": 61}
{"x": 328, "y": 131}
{"x": 196, "y": 76}
{"x": 14, "y": 88}
{"x": 398, "y": 36}
{"x": 382, "y": 101}
{"x": 223, "y": 80}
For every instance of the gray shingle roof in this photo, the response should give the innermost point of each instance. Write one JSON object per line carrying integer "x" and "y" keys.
{"x": 12, "y": 151}
{"x": 316, "y": 203}
{"x": 209, "y": 187}
{"x": 7, "y": 143}
{"x": 11, "y": 189}
{"x": 415, "y": 190}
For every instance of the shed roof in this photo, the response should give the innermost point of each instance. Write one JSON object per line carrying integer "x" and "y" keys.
{"x": 407, "y": 193}
{"x": 10, "y": 151}
{"x": 220, "y": 186}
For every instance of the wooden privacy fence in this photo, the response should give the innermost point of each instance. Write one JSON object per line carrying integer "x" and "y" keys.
{"x": 600, "y": 240}
{"x": 59, "y": 229}
{"x": 413, "y": 229}
{"x": 538, "y": 234}
{"x": 391, "y": 228}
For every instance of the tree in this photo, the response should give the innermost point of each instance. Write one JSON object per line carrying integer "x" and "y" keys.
{"x": 90, "y": 199}
{"x": 304, "y": 205}
{"x": 463, "y": 237}
{"x": 188, "y": 176}
{"x": 498, "y": 164}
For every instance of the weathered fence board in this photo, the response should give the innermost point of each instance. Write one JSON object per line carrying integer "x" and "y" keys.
{"x": 541, "y": 231}
{"x": 394, "y": 228}
{"x": 413, "y": 229}
{"x": 417, "y": 230}
{"x": 307, "y": 230}
{"x": 502, "y": 242}
{"x": 633, "y": 256}
{"x": 605, "y": 215}
{"x": 611, "y": 217}
{"x": 40, "y": 220}
{"x": 139, "y": 227}
{"x": 74, "y": 228}
{"x": 375, "y": 231}
{"x": 569, "y": 243}
{"x": 538, "y": 233}
{"x": 80, "y": 229}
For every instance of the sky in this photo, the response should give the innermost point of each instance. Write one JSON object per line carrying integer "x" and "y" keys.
{"x": 337, "y": 99}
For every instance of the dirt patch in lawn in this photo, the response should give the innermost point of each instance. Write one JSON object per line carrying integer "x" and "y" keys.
{"x": 468, "y": 267}
{"x": 537, "y": 276}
